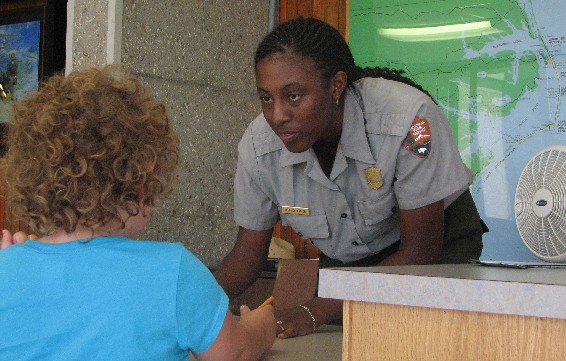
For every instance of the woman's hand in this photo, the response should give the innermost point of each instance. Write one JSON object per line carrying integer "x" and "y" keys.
{"x": 300, "y": 321}
{"x": 19, "y": 237}
{"x": 293, "y": 322}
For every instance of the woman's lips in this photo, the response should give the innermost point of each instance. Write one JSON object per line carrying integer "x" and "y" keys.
{"x": 287, "y": 137}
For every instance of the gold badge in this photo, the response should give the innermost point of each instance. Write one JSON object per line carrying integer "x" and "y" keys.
{"x": 299, "y": 211}
{"x": 373, "y": 177}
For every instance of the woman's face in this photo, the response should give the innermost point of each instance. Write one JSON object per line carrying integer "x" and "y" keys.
{"x": 299, "y": 105}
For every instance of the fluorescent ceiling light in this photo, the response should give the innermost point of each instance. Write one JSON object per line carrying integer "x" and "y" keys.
{"x": 443, "y": 32}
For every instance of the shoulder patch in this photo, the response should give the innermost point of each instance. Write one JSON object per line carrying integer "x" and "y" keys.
{"x": 418, "y": 141}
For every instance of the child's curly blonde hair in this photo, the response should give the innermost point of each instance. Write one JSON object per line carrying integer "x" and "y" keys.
{"x": 86, "y": 146}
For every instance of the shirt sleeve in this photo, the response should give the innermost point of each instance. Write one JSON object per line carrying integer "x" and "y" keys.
{"x": 201, "y": 305}
{"x": 253, "y": 208}
{"x": 436, "y": 174}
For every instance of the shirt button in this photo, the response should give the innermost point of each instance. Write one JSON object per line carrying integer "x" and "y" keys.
{"x": 355, "y": 243}
{"x": 299, "y": 234}
{"x": 344, "y": 215}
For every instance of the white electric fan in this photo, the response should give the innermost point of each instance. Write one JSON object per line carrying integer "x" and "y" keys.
{"x": 540, "y": 204}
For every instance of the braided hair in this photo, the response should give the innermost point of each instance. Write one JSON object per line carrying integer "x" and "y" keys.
{"x": 317, "y": 40}
{"x": 313, "y": 39}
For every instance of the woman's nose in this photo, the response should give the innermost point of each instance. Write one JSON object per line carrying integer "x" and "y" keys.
{"x": 280, "y": 113}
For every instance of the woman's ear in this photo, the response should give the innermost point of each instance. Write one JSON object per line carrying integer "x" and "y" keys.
{"x": 338, "y": 84}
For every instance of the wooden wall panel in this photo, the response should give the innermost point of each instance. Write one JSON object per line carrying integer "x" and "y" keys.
{"x": 6, "y": 221}
{"x": 335, "y": 13}
{"x": 21, "y": 4}
{"x": 304, "y": 7}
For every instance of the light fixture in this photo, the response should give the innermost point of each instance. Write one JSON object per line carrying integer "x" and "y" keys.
{"x": 442, "y": 32}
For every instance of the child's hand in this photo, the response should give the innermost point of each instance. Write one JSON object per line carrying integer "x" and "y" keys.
{"x": 262, "y": 319}
{"x": 19, "y": 237}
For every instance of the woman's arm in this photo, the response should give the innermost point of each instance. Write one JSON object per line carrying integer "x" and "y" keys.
{"x": 422, "y": 236}
{"x": 245, "y": 261}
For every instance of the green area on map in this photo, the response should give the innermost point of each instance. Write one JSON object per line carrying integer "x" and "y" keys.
{"x": 463, "y": 52}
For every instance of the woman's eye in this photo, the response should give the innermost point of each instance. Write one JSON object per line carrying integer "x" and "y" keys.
{"x": 265, "y": 100}
{"x": 294, "y": 97}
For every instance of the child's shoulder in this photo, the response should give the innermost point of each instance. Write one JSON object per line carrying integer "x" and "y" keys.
{"x": 144, "y": 246}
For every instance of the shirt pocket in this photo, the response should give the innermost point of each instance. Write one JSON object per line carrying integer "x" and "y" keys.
{"x": 313, "y": 226}
{"x": 380, "y": 214}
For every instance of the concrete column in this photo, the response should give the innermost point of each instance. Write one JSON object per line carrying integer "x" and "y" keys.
{"x": 94, "y": 33}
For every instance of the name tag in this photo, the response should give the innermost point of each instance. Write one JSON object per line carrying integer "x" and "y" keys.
{"x": 299, "y": 211}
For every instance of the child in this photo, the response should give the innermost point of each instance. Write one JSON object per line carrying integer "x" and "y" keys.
{"x": 88, "y": 157}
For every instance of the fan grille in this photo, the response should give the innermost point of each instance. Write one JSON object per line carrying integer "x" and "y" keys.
{"x": 540, "y": 204}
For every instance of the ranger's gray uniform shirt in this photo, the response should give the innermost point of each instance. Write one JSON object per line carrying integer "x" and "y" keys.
{"x": 348, "y": 220}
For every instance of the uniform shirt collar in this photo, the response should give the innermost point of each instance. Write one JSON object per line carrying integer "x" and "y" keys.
{"x": 354, "y": 140}
{"x": 290, "y": 158}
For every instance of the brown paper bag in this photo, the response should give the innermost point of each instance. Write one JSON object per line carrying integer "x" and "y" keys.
{"x": 296, "y": 282}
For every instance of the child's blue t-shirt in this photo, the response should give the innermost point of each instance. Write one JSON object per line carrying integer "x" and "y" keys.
{"x": 110, "y": 298}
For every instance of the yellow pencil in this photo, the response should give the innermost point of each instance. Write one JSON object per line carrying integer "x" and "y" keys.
{"x": 267, "y": 302}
